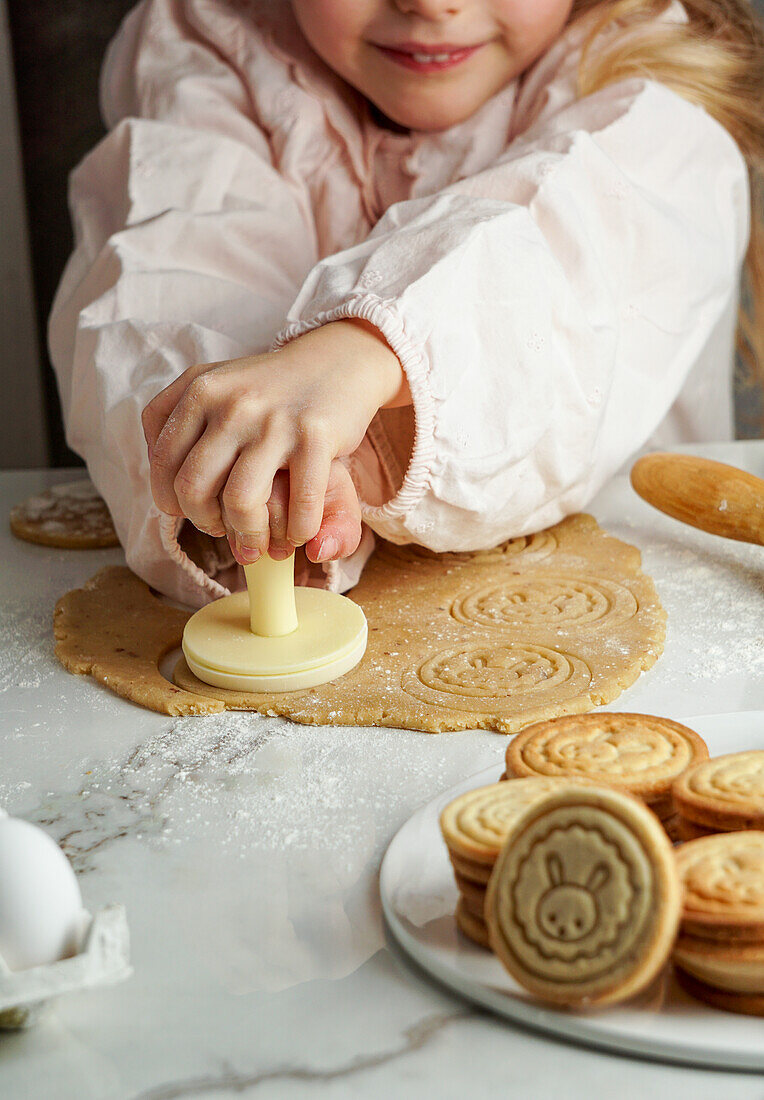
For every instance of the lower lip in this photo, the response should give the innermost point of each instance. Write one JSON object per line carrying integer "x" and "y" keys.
{"x": 408, "y": 62}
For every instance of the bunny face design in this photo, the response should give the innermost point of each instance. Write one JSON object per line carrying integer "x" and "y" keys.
{"x": 568, "y": 911}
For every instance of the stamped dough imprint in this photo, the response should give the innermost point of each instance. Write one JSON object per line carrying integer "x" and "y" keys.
{"x": 546, "y": 600}
{"x": 471, "y": 674}
{"x": 536, "y": 546}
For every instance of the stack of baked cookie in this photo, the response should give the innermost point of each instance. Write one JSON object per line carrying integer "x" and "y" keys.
{"x": 719, "y": 955}
{"x": 474, "y": 827}
{"x": 720, "y": 795}
{"x": 638, "y": 753}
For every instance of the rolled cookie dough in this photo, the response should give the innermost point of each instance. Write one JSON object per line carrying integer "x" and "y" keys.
{"x": 71, "y": 517}
{"x": 553, "y": 623}
{"x": 114, "y": 630}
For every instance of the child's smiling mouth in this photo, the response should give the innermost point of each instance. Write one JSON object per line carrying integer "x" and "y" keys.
{"x": 422, "y": 58}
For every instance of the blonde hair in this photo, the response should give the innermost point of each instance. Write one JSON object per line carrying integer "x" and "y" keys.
{"x": 715, "y": 59}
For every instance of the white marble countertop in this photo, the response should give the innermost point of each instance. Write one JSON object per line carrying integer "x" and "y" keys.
{"x": 246, "y": 852}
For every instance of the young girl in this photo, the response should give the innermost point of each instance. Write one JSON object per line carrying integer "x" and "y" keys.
{"x": 440, "y": 266}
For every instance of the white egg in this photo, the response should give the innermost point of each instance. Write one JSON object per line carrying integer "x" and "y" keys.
{"x": 40, "y": 900}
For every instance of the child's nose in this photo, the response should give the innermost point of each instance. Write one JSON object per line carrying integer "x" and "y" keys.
{"x": 429, "y": 9}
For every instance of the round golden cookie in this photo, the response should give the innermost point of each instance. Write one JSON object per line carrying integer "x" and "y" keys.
{"x": 71, "y": 517}
{"x": 471, "y": 926}
{"x": 748, "y": 1004}
{"x": 723, "y": 880}
{"x": 726, "y": 792}
{"x": 735, "y": 968}
{"x": 640, "y": 753}
{"x": 475, "y": 824}
{"x": 583, "y": 903}
{"x": 478, "y": 873}
{"x": 473, "y": 894}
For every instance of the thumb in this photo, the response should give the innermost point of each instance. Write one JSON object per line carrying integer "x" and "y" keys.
{"x": 340, "y": 530}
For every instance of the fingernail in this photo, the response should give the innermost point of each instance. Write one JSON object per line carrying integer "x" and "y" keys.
{"x": 248, "y": 555}
{"x": 280, "y": 554}
{"x": 327, "y": 548}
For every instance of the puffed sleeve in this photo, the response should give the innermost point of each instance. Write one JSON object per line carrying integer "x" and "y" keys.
{"x": 189, "y": 247}
{"x": 546, "y": 311}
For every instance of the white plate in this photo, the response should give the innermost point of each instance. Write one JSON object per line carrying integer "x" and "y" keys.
{"x": 419, "y": 896}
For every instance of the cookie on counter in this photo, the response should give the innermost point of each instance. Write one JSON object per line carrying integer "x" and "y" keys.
{"x": 70, "y": 517}
{"x": 639, "y": 753}
{"x": 723, "y": 794}
{"x": 584, "y": 901}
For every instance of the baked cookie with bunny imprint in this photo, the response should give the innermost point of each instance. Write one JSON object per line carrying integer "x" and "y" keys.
{"x": 723, "y": 881}
{"x": 583, "y": 903}
{"x": 640, "y": 753}
{"x": 724, "y": 793}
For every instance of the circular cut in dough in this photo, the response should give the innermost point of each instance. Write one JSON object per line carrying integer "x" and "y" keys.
{"x": 221, "y": 649}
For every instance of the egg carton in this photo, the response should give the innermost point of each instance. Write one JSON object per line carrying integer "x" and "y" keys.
{"x": 103, "y": 959}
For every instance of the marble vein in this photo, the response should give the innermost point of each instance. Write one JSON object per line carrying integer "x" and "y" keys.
{"x": 415, "y": 1039}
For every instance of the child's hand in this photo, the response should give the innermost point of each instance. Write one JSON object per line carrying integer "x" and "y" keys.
{"x": 219, "y": 433}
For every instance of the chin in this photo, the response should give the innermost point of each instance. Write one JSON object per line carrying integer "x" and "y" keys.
{"x": 428, "y": 117}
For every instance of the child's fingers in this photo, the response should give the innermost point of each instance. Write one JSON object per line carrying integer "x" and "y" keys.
{"x": 246, "y": 495}
{"x": 154, "y": 416}
{"x": 340, "y": 530}
{"x": 278, "y": 511}
{"x": 182, "y": 430}
{"x": 201, "y": 478}
{"x": 309, "y": 469}
{"x": 174, "y": 443}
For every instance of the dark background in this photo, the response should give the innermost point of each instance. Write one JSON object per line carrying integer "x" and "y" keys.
{"x": 57, "y": 48}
